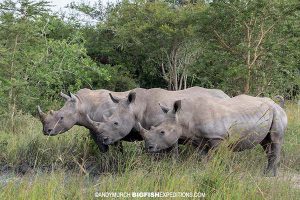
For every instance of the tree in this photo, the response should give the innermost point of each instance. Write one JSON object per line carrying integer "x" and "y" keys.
{"x": 240, "y": 31}
{"x": 161, "y": 38}
{"x": 35, "y": 68}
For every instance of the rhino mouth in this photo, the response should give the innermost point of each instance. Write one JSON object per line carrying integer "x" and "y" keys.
{"x": 152, "y": 148}
{"x": 155, "y": 149}
{"x": 107, "y": 141}
{"x": 50, "y": 134}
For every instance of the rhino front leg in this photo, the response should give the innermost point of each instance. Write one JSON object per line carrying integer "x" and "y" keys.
{"x": 175, "y": 153}
{"x": 119, "y": 146}
{"x": 202, "y": 146}
{"x": 214, "y": 143}
{"x": 102, "y": 147}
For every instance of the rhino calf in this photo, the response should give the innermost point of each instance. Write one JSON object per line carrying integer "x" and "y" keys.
{"x": 253, "y": 120}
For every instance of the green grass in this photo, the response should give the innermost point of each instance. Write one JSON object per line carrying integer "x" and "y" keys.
{"x": 69, "y": 166}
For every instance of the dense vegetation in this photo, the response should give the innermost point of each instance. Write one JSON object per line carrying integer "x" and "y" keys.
{"x": 239, "y": 46}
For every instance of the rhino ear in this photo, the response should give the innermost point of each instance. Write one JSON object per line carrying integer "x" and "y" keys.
{"x": 114, "y": 99}
{"x": 131, "y": 97}
{"x": 177, "y": 106}
{"x": 66, "y": 97}
{"x": 105, "y": 118}
{"x": 164, "y": 108}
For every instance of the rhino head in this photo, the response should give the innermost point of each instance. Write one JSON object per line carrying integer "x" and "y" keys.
{"x": 56, "y": 122}
{"x": 164, "y": 135}
{"x": 120, "y": 123}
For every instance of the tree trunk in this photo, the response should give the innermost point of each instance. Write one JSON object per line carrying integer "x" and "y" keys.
{"x": 248, "y": 79}
{"x": 12, "y": 95}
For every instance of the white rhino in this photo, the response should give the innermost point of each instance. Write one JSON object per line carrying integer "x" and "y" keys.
{"x": 207, "y": 121}
{"x": 95, "y": 103}
{"x": 142, "y": 105}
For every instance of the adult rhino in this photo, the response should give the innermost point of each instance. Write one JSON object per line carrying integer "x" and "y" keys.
{"x": 142, "y": 105}
{"x": 95, "y": 103}
{"x": 207, "y": 121}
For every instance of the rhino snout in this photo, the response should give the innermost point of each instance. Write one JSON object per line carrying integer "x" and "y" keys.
{"x": 47, "y": 131}
{"x": 151, "y": 148}
{"x": 107, "y": 140}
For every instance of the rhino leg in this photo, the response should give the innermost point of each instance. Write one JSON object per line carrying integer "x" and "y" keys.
{"x": 272, "y": 146}
{"x": 266, "y": 144}
{"x": 214, "y": 143}
{"x": 102, "y": 147}
{"x": 119, "y": 146}
{"x": 175, "y": 154}
{"x": 202, "y": 146}
{"x": 273, "y": 158}
{"x": 204, "y": 151}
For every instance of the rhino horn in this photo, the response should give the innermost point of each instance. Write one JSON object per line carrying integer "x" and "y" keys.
{"x": 114, "y": 99}
{"x": 51, "y": 112}
{"x": 90, "y": 121}
{"x": 164, "y": 108}
{"x": 42, "y": 115}
{"x": 141, "y": 129}
{"x": 66, "y": 97}
{"x": 73, "y": 97}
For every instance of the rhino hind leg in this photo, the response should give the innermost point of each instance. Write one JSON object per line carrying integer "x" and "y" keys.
{"x": 272, "y": 146}
{"x": 273, "y": 158}
{"x": 102, "y": 147}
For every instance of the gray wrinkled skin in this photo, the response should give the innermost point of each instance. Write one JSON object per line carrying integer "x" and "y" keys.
{"x": 142, "y": 105}
{"x": 250, "y": 120}
{"x": 95, "y": 103}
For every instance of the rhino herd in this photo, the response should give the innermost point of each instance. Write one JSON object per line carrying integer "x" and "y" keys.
{"x": 163, "y": 119}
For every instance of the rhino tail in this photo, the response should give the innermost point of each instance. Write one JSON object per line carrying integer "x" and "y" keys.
{"x": 281, "y": 100}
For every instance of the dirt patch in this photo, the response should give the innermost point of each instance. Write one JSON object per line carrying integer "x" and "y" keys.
{"x": 294, "y": 178}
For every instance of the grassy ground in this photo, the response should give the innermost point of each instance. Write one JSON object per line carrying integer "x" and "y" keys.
{"x": 69, "y": 166}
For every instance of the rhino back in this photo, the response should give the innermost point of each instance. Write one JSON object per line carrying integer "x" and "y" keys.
{"x": 147, "y": 102}
{"x": 219, "y": 119}
{"x": 95, "y": 103}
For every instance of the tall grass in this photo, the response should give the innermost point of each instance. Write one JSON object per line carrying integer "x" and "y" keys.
{"x": 69, "y": 166}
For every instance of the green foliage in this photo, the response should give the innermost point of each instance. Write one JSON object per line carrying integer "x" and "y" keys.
{"x": 245, "y": 51}
{"x": 176, "y": 44}
{"x": 155, "y": 43}
{"x": 40, "y": 57}
{"x": 168, "y": 44}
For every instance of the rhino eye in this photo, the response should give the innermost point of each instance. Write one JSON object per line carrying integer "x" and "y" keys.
{"x": 61, "y": 118}
{"x": 116, "y": 123}
{"x": 162, "y": 132}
